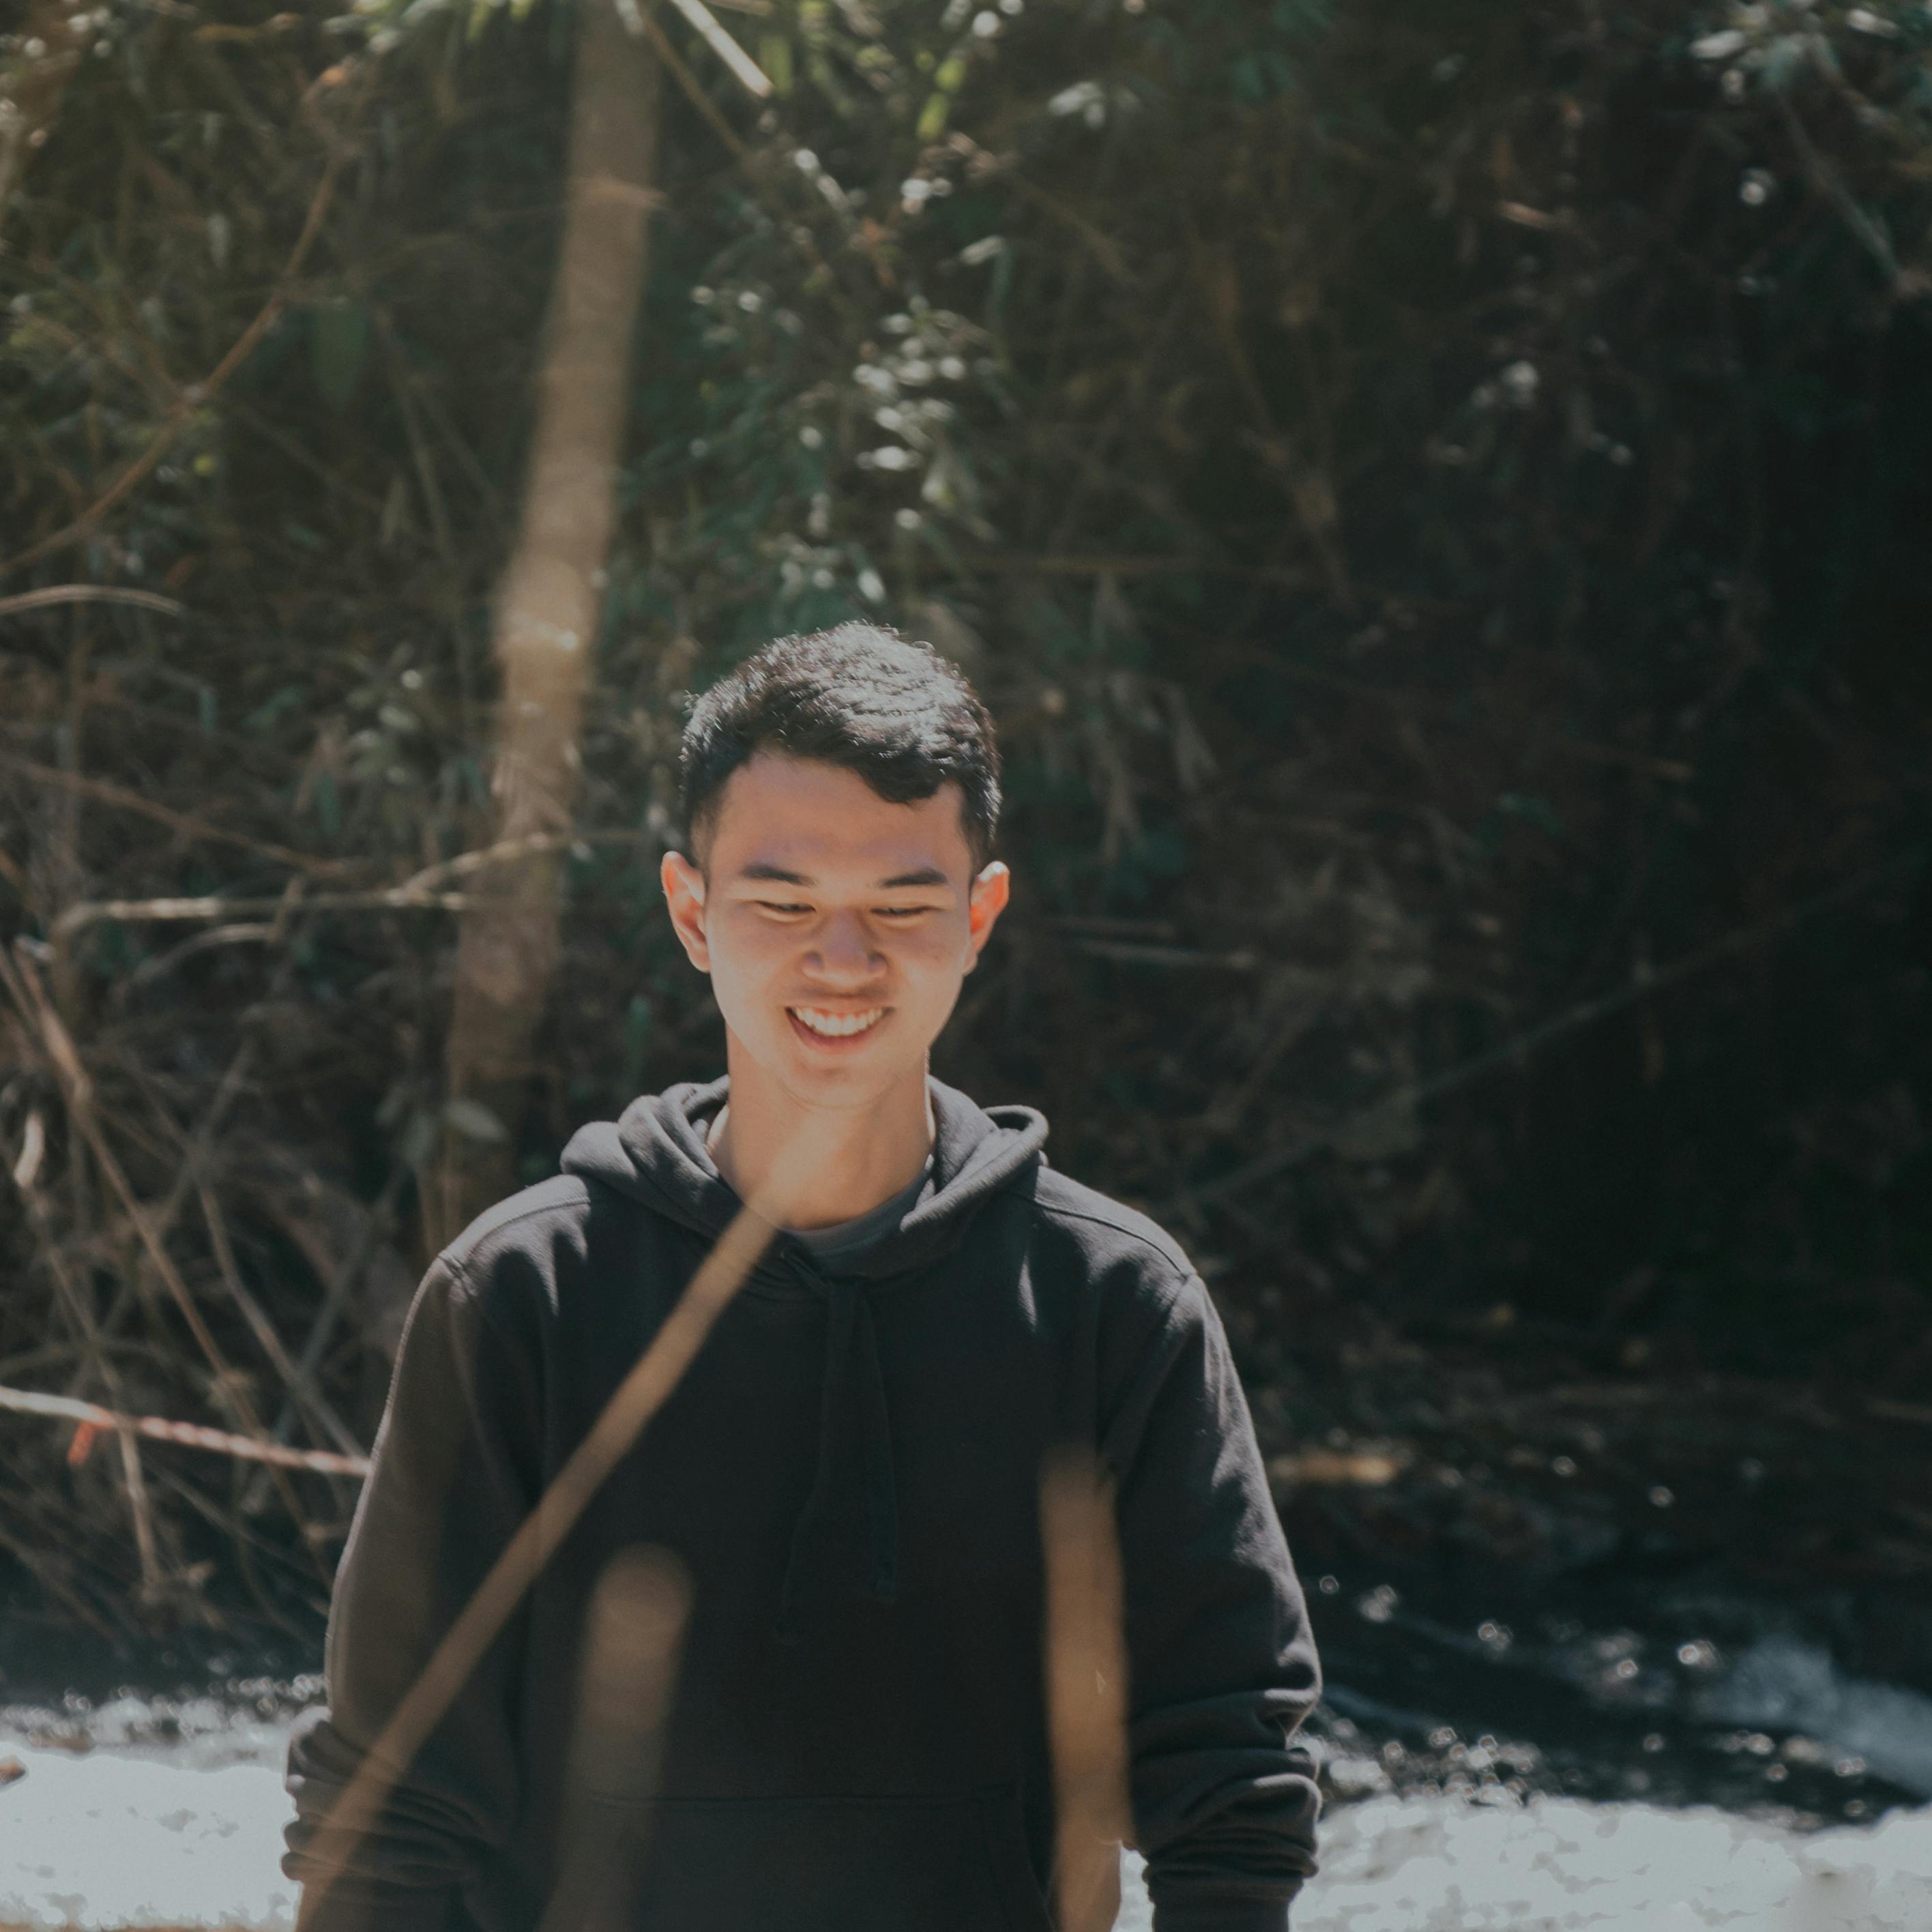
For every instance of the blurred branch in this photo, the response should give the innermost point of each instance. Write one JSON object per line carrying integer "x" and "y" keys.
{"x": 645, "y": 1388}
{"x": 24, "y": 600}
{"x": 193, "y": 1435}
{"x": 197, "y": 395}
{"x": 800, "y": 236}
{"x": 1087, "y": 1689}
{"x": 77, "y": 918}
{"x": 746, "y": 70}
{"x": 418, "y": 894}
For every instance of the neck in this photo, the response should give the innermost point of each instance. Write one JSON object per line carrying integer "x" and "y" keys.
{"x": 844, "y": 1160}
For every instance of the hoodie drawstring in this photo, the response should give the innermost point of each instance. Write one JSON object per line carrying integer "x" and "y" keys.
{"x": 849, "y": 1332}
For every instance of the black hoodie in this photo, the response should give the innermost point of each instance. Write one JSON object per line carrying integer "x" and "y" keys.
{"x": 849, "y": 1472}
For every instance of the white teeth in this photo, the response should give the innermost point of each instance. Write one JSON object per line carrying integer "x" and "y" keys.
{"x": 837, "y": 1026}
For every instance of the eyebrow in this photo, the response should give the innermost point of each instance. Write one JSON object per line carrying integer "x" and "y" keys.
{"x": 923, "y": 875}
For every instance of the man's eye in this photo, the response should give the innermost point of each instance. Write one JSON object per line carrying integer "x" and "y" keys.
{"x": 775, "y": 905}
{"x": 902, "y": 912}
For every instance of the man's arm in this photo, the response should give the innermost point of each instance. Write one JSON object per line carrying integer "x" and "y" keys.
{"x": 1222, "y": 1667}
{"x": 455, "y": 1474}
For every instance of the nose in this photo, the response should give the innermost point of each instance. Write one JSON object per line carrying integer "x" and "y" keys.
{"x": 843, "y": 956}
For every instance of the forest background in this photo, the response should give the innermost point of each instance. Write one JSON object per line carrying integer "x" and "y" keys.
{"x": 1436, "y": 493}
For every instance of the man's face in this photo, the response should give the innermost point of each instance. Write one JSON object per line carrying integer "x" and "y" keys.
{"x": 836, "y": 927}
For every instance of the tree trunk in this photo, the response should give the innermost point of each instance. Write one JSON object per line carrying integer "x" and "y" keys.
{"x": 548, "y": 610}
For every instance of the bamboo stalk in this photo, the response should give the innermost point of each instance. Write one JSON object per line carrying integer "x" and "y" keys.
{"x": 550, "y": 605}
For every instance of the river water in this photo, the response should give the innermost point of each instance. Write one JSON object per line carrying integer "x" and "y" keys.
{"x": 1711, "y": 1762}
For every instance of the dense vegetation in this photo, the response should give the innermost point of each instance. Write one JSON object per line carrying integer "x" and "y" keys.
{"x": 1436, "y": 494}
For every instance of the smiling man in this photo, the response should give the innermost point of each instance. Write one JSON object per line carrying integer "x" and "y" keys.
{"x": 849, "y": 1476}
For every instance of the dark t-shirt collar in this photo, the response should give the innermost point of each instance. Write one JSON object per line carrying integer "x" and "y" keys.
{"x": 838, "y": 1244}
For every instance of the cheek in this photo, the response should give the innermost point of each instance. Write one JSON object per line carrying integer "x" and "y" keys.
{"x": 934, "y": 957}
{"x": 744, "y": 961}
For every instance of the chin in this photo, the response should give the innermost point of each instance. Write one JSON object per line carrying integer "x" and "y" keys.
{"x": 854, "y": 1078}
{"x": 857, "y": 1080}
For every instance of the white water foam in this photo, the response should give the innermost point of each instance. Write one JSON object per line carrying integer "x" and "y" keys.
{"x": 1563, "y": 1865}
{"x": 121, "y": 1838}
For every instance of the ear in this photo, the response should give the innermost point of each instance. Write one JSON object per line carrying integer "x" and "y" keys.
{"x": 684, "y": 893}
{"x": 985, "y": 901}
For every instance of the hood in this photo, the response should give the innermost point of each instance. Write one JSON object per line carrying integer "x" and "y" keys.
{"x": 655, "y": 1153}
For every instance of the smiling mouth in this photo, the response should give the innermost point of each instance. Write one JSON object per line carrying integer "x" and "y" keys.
{"x": 823, "y": 1024}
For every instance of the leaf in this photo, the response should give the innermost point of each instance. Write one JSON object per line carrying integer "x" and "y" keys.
{"x": 474, "y": 1120}
{"x": 417, "y": 1142}
{"x": 1784, "y": 60}
{"x": 338, "y": 347}
{"x": 328, "y": 803}
{"x": 1718, "y": 46}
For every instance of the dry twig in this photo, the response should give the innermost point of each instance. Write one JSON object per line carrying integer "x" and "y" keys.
{"x": 191, "y": 1435}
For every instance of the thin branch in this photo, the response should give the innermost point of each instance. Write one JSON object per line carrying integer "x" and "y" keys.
{"x": 24, "y": 600}
{"x": 197, "y": 395}
{"x": 343, "y": 1279}
{"x": 26, "y": 1176}
{"x": 1516, "y": 1050}
{"x": 300, "y": 1384}
{"x": 189, "y": 827}
{"x": 746, "y": 69}
{"x": 190, "y": 1434}
{"x": 800, "y": 236}
{"x": 91, "y": 912}
{"x": 59, "y": 1047}
{"x": 1830, "y": 184}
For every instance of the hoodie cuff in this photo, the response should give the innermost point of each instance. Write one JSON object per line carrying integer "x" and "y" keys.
{"x": 1225, "y": 1913}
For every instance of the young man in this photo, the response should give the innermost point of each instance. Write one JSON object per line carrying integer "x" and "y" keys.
{"x": 849, "y": 1472}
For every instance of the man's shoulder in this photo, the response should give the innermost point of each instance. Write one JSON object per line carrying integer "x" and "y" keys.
{"x": 530, "y": 1220}
{"x": 1110, "y": 1234}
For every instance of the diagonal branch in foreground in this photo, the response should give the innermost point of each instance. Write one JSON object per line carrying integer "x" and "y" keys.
{"x": 642, "y": 1392}
{"x": 1086, "y": 1658}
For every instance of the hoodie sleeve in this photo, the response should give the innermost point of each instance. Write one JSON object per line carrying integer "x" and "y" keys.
{"x": 455, "y": 1474}
{"x": 1221, "y": 1662}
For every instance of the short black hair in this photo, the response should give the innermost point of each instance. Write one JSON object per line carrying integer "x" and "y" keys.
{"x": 859, "y": 696}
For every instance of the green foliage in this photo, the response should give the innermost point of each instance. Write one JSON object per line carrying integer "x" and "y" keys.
{"x": 1434, "y": 492}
